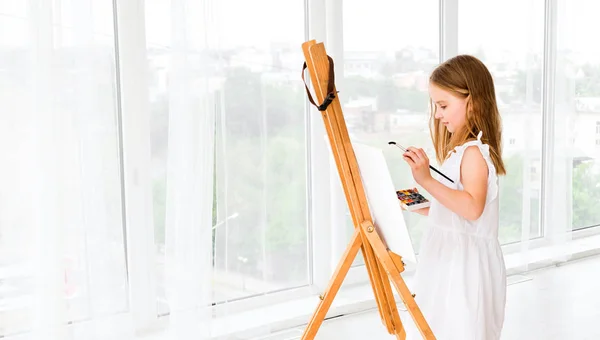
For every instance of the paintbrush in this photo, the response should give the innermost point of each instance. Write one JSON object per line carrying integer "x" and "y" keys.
{"x": 430, "y": 167}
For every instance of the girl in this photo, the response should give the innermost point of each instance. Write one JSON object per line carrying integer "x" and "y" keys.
{"x": 461, "y": 277}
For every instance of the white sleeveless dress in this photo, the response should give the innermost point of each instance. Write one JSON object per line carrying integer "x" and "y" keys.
{"x": 460, "y": 282}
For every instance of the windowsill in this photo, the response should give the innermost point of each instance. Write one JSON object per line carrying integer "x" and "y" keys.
{"x": 291, "y": 314}
{"x": 544, "y": 253}
{"x": 351, "y": 299}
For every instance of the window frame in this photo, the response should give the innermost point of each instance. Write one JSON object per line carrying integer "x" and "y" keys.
{"x": 134, "y": 116}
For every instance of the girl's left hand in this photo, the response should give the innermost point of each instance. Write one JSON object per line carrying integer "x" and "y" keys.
{"x": 419, "y": 164}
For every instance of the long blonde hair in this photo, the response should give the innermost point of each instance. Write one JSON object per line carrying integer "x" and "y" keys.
{"x": 467, "y": 77}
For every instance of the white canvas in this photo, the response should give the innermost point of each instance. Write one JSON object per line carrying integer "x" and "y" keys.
{"x": 383, "y": 201}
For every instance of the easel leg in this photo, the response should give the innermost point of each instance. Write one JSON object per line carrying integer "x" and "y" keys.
{"x": 412, "y": 307}
{"x": 392, "y": 270}
{"x": 397, "y": 327}
{"x": 334, "y": 285}
{"x": 380, "y": 284}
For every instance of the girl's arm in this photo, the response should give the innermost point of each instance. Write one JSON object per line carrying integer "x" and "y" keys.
{"x": 468, "y": 203}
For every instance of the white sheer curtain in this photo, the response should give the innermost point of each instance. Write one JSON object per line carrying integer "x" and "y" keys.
{"x": 61, "y": 232}
{"x": 560, "y": 185}
{"x": 63, "y": 251}
{"x": 190, "y": 165}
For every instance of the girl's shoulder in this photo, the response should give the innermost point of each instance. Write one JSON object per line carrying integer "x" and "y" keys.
{"x": 474, "y": 147}
{"x": 459, "y": 151}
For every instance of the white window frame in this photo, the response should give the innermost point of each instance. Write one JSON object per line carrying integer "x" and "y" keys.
{"x": 448, "y": 29}
{"x": 325, "y": 24}
{"x": 548, "y": 88}
{"x": 320, "y": 228}
{"x": 132, "y": 69}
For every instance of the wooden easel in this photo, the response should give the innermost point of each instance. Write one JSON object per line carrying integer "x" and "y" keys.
{"x": 379, "y": 261}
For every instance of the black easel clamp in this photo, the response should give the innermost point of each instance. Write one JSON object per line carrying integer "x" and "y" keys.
{"x": 330, "y": 84}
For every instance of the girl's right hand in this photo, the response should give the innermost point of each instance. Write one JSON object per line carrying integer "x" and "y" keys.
{"x": 419, "y": 164}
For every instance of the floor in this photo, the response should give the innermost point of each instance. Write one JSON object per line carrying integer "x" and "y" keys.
{"x": 553, "y": 303}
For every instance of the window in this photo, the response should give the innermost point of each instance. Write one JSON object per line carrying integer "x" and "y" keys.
{"x": 77, "y": 160}
{"x": 61, "y": 211}
{"x": 514, "y": 54}
{"x": 261, "y": 151}
{"x": 387, "y": 98}
{"x": 260, "y": 216}
{"x": 578, "y": 86}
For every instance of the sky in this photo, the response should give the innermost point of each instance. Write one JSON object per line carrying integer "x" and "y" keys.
{"x": 375, "y": 25}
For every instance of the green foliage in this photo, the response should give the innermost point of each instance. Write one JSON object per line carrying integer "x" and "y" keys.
{"x": 585, "y": 191}
{"x": 287, "y": 192}
{"x": 589, "y": 84}
{"x": 243, "y": 102}
{"x": 586, "y": 196}
{"x": 265, "y": 161}
{"x": 267, "y": 188}
{"x": 511, "y": 200}
{"x": 284, "y": 106}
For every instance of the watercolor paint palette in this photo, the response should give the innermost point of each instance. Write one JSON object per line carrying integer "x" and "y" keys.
{"x": 411, "y": 199}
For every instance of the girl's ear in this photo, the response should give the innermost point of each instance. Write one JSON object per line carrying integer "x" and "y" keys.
{"x": 469, "y": 105}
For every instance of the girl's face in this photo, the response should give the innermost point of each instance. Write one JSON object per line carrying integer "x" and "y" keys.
{"x": 450, "y": 109}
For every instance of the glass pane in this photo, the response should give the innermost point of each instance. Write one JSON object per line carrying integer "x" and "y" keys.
{"x": 58, "y": 99}
{"x": 514, "y": 54}
{"x": 389, "y": 49}
{"x": 260, "y": 230}
{"x": 578, "y": 105}
{"x": 261, "y": 233}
